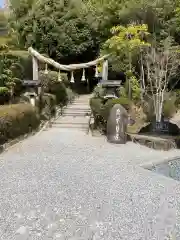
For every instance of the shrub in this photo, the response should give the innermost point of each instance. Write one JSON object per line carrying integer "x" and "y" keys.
{"x": 48, "y": 102}
{"x": 101, "y": 111}
{"x": 51, "y": 85}
{"x": 96, "y": 105}
{"x": 134, "y": 88}
{"x": 169, "y": 108}
{"x": 4, "y": 95}
{"x": 59, "y": 90}
{"x": 70, "y": 94}
{"x": 99, "y": 91}
{"x": 16, "y": 120}
{"x": 105, "y": 111}
{"x": 148, "y": 109}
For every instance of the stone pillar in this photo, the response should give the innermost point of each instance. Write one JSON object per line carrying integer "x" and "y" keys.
{"x": 105, "y": 70}
{"x": 35, "y": 69}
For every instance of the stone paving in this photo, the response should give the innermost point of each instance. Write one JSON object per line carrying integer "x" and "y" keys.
{"x": 63, "y": 184}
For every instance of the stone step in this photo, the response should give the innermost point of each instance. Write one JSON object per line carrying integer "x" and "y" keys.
{"x": 73, "y": 121}
{"x": 74, "y": 111}
{"x": 75, "y": 108}
{"x": 70, "y": 126}
{"x": 75, "y": 114}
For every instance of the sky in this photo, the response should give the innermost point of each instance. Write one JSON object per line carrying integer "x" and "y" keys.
{"x": 1, "y": 3}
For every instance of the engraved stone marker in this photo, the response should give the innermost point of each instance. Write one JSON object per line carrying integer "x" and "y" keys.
{"x": 117, "y": 125}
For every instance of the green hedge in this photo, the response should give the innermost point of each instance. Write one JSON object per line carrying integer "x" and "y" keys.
{"x": 16, "y": 120}
{"x": 48, "y": 106}
{"x": 51, "y": 85}
{"x": 101, "y": 111}
{"x": 4, "y": 95}
{"x": 125, "y": 102}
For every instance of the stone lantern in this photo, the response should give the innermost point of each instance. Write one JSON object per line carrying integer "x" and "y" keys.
{"x": 32, "y": 90}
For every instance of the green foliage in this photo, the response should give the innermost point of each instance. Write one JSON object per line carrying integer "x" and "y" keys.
{"x": 14, "y": 67}
{"x": 99, "y": 91}
{"x": 48, "y": 106}
{"x": 4, "y": 90}
{"x": 4, "y": 95}
{"x": 51, "y": 85}
{"x": 125, "y": 44}
{"x": 148, "y": 109}
{"x": 96, "y": 107}
{"x": 135, "y": 89}
{"x": 96, "y": 104}
{"x": 63, "y": 35}
{"x": 16, "y": 120}
{"x": 169, "y": 107}
{"x": 101, "y": 111}
{"x": 105, "y": 111}
{"x": 70, "y": 95}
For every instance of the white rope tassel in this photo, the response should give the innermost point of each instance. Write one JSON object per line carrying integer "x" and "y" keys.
{"x": 59, "y": 76}
{"x": 96, "y": 73}
{"x": 72, "y": 77}
{"x": 46, "y": 70}
{"x": 83, "y": 79}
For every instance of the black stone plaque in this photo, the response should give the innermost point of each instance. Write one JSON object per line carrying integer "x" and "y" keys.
{"x": 165, "y": 127}
{"x": 161, "y": 127}
{"x": 117, "y": 125}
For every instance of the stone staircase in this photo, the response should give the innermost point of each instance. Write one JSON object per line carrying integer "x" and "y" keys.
{"x": 75, "y": 116}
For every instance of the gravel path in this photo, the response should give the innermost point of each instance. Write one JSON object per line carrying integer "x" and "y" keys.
{"x": 63, "y": 184}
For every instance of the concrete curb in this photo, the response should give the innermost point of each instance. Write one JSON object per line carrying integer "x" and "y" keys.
{"x": 152, "y": 164}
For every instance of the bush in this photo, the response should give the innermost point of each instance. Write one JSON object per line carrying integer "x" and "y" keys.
{"x": 134, "y": 88}
{"x": 51, "y": 85}
{"x": 59, "y": 90}
{"x": 169, "y": 108}
{"x": 70, "y": 95}
{"x": 101, "y": 111}
{"x": 4, "y": 95}
{"x": 96, "y": 105}
{"x": 99, "y": 91}
{"x": 48, "y": 102}
{"x": 16, "y": 120}
{"x": 105, "y": 111}
{"x": 148, "y": 109}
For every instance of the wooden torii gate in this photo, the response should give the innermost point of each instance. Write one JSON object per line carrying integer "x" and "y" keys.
{"x": 37, "y": 57}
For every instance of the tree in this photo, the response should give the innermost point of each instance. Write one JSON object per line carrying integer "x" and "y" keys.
{"x": 63, "y": 35}
{"x": 160, "y": 65}
{"x": 124, "y": 47}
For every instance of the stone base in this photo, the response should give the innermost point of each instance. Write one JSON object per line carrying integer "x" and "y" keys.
{"x": 156, "y": 142}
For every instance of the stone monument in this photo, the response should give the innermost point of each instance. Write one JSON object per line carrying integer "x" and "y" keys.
{"x": 117, "y": 125}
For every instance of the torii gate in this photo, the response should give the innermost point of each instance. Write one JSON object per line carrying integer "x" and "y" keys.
{"x": 70, "y": 68}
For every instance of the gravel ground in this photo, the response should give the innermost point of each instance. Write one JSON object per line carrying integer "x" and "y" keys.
{"x": 62, "y": 184}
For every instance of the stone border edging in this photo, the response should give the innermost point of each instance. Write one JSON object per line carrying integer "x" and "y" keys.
{"x": 13, "y": 142}
{"x": 151, "y": 164}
